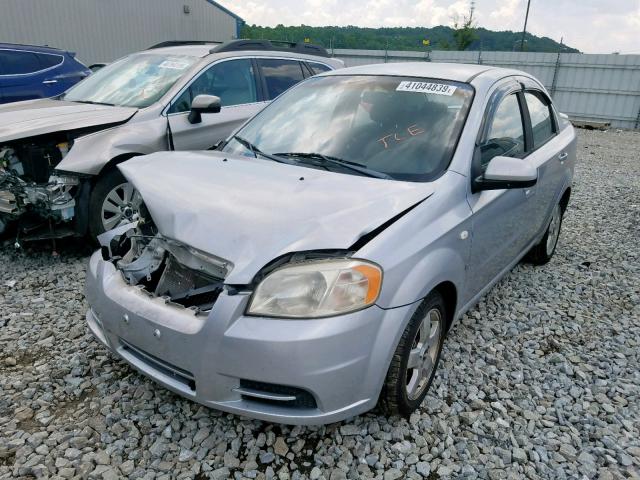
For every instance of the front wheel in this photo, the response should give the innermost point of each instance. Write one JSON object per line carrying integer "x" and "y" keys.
{"x": 415, "y": 360}
{"x": 113, "y": 202}
{"x": 542, "y": 253}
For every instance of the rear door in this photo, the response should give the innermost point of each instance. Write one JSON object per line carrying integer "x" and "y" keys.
{"x": 60, "y": 73}
{"x": 18, "y": 75}
{"x": 235, "y": 81}
{"x": 548, "y": 155}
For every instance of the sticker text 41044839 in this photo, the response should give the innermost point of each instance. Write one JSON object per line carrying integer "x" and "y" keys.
{"x": 427, "y": 87}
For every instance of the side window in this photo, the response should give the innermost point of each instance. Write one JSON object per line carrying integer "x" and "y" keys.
{"x": 48, "y": 61}
{"x": 234, "y": 81}
{"x": 506, "y": 134}
{"x": 280, "y": 75}
{"x": 317, "y": 68}
{"x": 13, "y": 62}
{"x": 541, "y": 122}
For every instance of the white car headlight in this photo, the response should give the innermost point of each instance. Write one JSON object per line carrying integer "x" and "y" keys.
{"x": 317, "y": 289}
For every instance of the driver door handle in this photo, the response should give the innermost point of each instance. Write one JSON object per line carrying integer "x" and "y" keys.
{"x": 563, "y": 156}
{"x": 47, "y": 82}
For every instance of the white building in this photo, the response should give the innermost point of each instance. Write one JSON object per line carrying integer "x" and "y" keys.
{"x": 103, "y": 30}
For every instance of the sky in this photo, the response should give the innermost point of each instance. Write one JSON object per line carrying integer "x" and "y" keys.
{"x": 591, "y": 26}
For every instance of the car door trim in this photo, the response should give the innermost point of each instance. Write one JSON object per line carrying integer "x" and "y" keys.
{"x": 552, "y": 117}
{"x": 506, "y": 86}
{"x": 259, "y": 79}
{"x": 165, "y": 110}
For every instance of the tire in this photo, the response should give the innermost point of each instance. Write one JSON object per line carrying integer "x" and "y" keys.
{"x": 5, "y": 226}
{"x": 404, "y": 387}
{"x": 543, "y": 251}
{"x": 113, "y": 202}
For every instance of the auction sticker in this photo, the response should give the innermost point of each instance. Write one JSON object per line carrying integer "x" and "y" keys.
{"x": 174, "y": 65}
{"x": 426, "y": 87}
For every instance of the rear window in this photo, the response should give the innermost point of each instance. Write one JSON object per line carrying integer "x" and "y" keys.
{"x": 47, "y": 60}
{"x": 317, "y": 68}
{"x": 541, "y": 122}
{"x": 280, "y": 75}
{"x": 15, "y": 62}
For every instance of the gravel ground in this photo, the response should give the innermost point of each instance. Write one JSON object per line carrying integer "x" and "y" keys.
{"x": 540, "y": 380}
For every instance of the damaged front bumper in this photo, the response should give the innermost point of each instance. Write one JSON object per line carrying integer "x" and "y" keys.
{"x": 42, "y": 199}
{"x": 307, "y": 371}
{"x": 55, "y": 200}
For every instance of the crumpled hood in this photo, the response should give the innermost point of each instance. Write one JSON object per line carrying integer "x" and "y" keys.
{"x": 37, "y": 117}
{"x": 249, "y": 211}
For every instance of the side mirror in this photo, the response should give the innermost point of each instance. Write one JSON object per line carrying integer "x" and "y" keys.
{"x": 203, "y": 104}
{"x": 506, "y": 172}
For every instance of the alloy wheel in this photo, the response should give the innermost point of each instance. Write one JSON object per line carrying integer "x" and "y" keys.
{"x": 120, "y": 206}
{"x": 423, "y": 354}
{"x": 554, "y": 230}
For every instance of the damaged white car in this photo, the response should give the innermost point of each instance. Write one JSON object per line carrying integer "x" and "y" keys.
{"x": 59, "y": 156}
{"x": 312, "y": 267}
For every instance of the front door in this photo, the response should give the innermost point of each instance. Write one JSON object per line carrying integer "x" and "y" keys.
{"x": 499, "y": 216}
{"x": 234, "y": 81}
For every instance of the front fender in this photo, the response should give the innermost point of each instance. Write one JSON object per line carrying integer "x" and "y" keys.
{"x": 421, "y": 276}
{"x": 91, "y": 153}
{"x": 428, "y": 246}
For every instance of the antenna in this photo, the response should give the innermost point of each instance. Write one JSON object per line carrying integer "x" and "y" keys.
{"x": 524, "y": 29}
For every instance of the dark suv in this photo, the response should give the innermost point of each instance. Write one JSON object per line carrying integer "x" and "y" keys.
{"x": 28, "y": 72}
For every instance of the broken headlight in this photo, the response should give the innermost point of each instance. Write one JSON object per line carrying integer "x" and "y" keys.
{"x": 317, "y": 289}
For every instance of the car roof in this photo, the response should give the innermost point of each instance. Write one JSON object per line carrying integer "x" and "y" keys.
{"x": 204, "y": 50}
{"x": 459, "y": 72}
{"x": 31, "y": 48}
{"x": 201, "y": 50}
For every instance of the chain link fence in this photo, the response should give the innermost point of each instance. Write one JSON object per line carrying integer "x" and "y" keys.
{"x": 588, "y": 88}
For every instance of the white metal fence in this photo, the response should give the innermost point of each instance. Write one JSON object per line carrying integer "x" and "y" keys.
{"x": 603, "y": 88}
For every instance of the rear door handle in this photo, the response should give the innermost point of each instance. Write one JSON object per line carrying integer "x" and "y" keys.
{"x": 47, "y": 82}
{"x": 563, "y": 156}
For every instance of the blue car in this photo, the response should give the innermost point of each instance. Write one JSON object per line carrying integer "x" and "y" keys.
{"x": 28, "y": 72}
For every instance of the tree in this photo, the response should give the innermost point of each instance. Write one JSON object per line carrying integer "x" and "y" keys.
{"x": 464, "y": 31}
{"x": 400, "y": 38}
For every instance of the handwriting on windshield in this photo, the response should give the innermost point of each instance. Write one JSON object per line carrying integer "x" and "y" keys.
{"x": 394, "y": 138}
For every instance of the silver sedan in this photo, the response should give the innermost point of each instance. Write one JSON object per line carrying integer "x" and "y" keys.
{"x": 311, "y": 268}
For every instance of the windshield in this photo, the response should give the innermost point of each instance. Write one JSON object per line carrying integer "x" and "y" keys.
{"x": 134, "y": 81}
{"x": 403, "y": 128}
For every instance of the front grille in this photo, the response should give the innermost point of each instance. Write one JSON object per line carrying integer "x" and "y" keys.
{"x": 166, "y": 368}
{"x": 185, "y": 286}
{"x": 261, "y": 391}
{"x": 38, "y": 161}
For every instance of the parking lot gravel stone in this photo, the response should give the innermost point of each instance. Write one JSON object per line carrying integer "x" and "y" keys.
{"x": 540, "y": 380}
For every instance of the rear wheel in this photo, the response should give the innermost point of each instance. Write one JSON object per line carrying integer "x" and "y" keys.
{"x": 113, "y": 202}
{"x": 542, "y": 253}
{"x": 415, "y": 360}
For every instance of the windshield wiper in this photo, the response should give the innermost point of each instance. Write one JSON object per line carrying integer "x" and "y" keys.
{"x": 256, "y": 151}
{"x": 93, "y": 103}
{"x": 323, "y": 160}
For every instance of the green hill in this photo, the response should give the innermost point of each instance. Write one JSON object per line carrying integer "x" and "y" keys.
{"x": 401, "y": 38}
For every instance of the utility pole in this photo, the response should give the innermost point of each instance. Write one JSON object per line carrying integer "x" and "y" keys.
{"x": 524, "y": 30}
